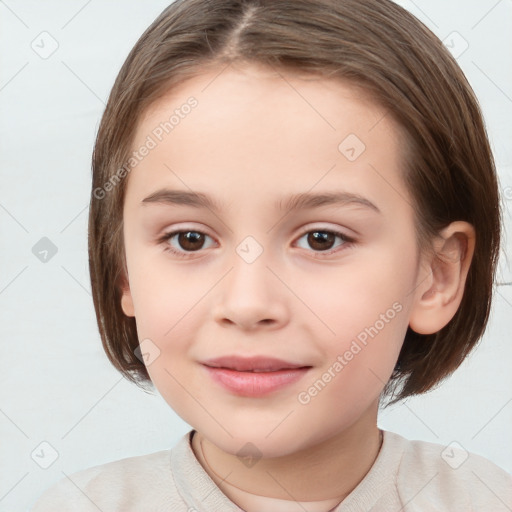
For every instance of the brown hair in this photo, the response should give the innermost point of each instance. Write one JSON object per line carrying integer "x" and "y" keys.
{"x": 374, "y": 44}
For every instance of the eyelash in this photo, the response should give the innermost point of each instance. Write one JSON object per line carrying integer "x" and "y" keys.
{"x": 164, "y": 240}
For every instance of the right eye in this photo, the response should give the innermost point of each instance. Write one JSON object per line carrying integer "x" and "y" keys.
{"x": 190, "y": 240}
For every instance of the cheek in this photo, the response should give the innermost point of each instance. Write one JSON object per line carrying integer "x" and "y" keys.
{"x": 164, "y": 294}
{"x": 168, "y": 303}
{"x": 166, "y": 306}
{"x": 357, "y": 369}
{"x": 354, "y": 296}
{"x": 366, "y": 310}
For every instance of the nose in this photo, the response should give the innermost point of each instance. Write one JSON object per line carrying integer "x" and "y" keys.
{"x": 252, "y": 296}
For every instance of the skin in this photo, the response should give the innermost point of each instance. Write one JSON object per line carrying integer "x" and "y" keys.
{"x": 255, "y": 137}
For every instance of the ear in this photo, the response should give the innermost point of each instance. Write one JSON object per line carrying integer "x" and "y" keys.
{"x": 126, "y": 296}
{"x": 440, "y": 284}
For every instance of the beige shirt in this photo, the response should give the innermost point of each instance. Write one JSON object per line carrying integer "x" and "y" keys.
{"x": 407, "y": 476}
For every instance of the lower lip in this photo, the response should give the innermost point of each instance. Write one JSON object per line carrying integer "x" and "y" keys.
{"x": 255, "y": 383}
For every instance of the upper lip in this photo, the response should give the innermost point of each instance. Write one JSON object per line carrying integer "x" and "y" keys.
{"x": 251, "y": 363}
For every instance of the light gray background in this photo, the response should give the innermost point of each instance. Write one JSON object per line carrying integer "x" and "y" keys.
{"x": 56, "y": 383}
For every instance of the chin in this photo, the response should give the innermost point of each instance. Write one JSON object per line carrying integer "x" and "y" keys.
{"x": 258, "y": 442}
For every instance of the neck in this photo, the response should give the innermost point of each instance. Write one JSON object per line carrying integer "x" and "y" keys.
{"x": 306, "y": 475}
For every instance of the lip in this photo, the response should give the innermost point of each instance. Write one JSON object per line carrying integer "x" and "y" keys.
{"x": 254, "y": 384}
{"x": 254, "y": 376}
{"x": 242, "y": 364}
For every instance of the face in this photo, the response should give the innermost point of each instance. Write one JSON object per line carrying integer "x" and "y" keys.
{"x": 324, "y": 286}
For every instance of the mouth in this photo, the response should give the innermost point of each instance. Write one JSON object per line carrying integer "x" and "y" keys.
{"x": 254, "y": 376}
{"x": 253, "y": 364}
{"x": 258, "y": 370}
{"x": 261, "y": 370}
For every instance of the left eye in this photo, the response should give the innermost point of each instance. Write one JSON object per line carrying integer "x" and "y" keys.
{"x": 322, "y": 239}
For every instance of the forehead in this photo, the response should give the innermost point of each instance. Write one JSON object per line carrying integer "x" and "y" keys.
{"x": 267, "y": 130}
{"x": 244, "y": 85}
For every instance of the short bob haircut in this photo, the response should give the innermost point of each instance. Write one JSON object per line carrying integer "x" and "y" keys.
{"x": 373, "y": 44}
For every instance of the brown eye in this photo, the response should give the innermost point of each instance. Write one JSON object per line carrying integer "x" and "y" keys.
{"x": 190, "y": 240}
{"x": 323, "y": 240}
{"x": 183, "y": 243}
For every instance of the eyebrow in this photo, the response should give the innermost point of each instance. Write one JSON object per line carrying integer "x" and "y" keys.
{"x": 294, "y": 202}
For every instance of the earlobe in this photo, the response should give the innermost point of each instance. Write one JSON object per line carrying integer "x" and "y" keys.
{"x": 127, "y": 303}
{"x": 126, "y": 298}
{"x": 440, "y": 287}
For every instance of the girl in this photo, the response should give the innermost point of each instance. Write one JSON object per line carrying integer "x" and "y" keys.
{"x": 286, "y": 231}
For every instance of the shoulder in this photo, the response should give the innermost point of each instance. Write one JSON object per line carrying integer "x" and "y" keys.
{"x": 436, "y": 477}
{"x": 118, "y": 485}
